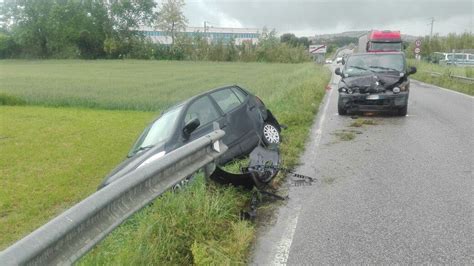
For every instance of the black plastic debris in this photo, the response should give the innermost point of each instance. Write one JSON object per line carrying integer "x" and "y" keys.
{"x": 263, "y": 167}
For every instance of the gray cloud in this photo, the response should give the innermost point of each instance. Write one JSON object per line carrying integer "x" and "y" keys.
{"x": 324, "y": 16}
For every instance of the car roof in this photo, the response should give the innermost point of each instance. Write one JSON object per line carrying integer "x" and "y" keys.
{"x": 189, "y": 100}
{"x": 380, "y": 53}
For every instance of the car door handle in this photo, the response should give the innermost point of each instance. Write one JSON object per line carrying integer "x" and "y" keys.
{"x": 252, "y": 107}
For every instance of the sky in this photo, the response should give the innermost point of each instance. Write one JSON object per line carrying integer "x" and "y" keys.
{"x": 311, "y": 17}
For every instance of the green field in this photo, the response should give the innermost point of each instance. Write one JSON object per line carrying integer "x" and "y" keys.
{"x": 137, "y": 85}
{"x": 53, "y": 157}
{"x": 423, "y": 74}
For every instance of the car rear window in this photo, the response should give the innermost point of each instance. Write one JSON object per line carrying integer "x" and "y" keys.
{"x": 226, "y": 99}
{"x": 241, "y": 94}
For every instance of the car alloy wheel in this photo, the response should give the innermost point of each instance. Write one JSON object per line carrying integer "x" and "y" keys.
{"x": 271, "y": 134}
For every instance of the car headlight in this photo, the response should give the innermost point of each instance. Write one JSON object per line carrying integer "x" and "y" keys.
{"x": 396, "y": 90}
{"x": 344, "y": 90}
{"x": 350, "y": 91}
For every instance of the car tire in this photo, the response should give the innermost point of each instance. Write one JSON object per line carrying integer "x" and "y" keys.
{"x": 270, "y": 134}
{"x": 184, "y": 183}
{"x": 403, "y": 111}
{"x": 341, "y": 110}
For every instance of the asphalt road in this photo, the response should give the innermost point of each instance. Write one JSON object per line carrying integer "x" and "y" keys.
{"x": 400, "y": 192}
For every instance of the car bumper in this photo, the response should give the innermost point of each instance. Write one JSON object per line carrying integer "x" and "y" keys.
{"x": 364, "y": 102}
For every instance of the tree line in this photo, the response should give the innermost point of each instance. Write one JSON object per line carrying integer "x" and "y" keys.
{"x": 93, "y": 29}
{"x": 445, "y": 44}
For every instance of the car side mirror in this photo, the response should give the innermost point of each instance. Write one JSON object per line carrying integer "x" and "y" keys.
{"x": 338, "y": 72}
{"x": 412, "y": 70}
{"x": 190, "y": 127}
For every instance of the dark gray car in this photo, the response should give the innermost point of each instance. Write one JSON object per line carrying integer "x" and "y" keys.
{"x": 243, "y": 116}
{"x": 374, "y": 81}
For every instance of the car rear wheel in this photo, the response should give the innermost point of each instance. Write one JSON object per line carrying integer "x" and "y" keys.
{"x": 403, "y": 111}
{"x": 271, "y": 135}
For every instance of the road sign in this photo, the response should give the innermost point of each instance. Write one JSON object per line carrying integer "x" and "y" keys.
{"x": 417, "y": 50}
{"x": 317, "y": 49}
{"x": 418, "y": 43}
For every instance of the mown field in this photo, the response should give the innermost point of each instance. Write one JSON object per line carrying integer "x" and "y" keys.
{"x": 423, "y": 74}
{"x": 52, "y": 156}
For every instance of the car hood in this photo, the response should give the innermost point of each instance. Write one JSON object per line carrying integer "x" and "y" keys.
{"x": 368, "y": 80}
{"x": 130, "y": 164}
{"x": 374, "y": 82}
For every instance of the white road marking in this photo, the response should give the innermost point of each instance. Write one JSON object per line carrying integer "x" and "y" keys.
{"x": 448, "y": 90}
{"x": 283, "y": 247}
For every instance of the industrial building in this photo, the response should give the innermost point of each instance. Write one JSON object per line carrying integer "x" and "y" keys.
{"x": 213, "y": 34}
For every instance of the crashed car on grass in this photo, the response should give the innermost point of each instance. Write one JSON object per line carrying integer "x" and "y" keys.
{"x": 242, "y": 115}
{"x": 374, "y": 81}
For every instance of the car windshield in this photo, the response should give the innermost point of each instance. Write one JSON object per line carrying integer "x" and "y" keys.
{"x": 159, "y": 131}
{"x": 386, "y": 46}
{"x": 366, "y": 64}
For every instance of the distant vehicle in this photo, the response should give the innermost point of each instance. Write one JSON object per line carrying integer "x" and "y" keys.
{"x": 374, "y": 81}
{"x": 328, "y": 61}
{"x": 243, "y": 117}
{"x": 380, "y": 41}
{"x": 458, "y": 59}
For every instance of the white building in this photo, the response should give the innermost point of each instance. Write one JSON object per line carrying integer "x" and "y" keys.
{"x": 213, "y": 34}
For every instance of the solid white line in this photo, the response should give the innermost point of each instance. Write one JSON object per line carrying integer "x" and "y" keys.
{"x": 441, "y": 88}
{"x": 283, "y": 247}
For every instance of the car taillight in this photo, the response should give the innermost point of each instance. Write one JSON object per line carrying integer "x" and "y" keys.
{"x": 259, "y": 100}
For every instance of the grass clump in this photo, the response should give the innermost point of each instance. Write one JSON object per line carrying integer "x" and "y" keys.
{"x": 346, "y": 135}
{"x": 359, "y": 122}
{"x": 198, "y": 225}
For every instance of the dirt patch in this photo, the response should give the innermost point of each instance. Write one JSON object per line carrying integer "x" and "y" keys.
{"x": 328, "y": 180}
{"x": 346, "y": 134}
{"x": 359, "y": 122}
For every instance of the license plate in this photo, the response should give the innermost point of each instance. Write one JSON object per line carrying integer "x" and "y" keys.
{"x": 373, "y": 97}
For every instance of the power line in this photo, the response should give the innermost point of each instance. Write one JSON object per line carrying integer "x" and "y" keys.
{"x": 432, "y": 24}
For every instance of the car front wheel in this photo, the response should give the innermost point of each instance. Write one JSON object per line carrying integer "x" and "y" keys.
{"x": 403, "y": 111}
{"x": 341, "y": 110}
{"x": 271, "y": 135}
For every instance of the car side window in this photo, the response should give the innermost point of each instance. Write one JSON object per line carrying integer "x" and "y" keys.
{"x": 242, "y": 95}
{"x": 202, "y": 109}
{"x": 226, "y": 99}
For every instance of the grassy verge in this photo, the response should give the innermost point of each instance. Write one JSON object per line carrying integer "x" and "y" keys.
{"x": 51, "y": 158}
{"x": 67, "y": 151}
{"x": 444, "y": 80}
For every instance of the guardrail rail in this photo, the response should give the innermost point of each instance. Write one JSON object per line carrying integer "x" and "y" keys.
{"x": 461, "y": 78}
{"x": 66, "y": 238}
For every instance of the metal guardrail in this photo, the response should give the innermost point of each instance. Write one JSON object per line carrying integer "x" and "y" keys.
{"x": 73, "y": 233}
{"x": 461, "y": 78}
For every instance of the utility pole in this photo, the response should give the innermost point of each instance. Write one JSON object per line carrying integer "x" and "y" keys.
{"x": 431, "y": 31}
{"x": 205, "y": 30}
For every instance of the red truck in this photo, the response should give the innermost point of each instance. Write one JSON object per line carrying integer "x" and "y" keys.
{"x": 380, "y": 41}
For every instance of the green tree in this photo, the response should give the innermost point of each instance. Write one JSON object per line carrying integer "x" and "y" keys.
{"x": 171, "y": 18}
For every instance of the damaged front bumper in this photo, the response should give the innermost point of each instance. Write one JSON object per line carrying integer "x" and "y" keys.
{"x": 262, "y": 168}
{"x": 369, "y": 102}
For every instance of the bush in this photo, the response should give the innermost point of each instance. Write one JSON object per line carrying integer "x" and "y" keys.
{"x": 6, "y": 99}
{"x": 8, "y": 47}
